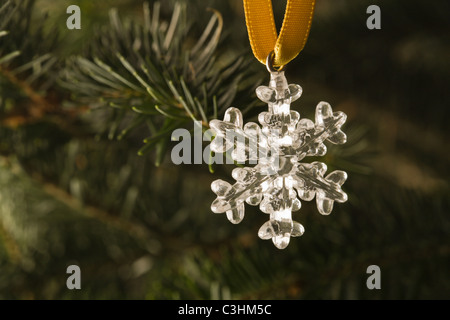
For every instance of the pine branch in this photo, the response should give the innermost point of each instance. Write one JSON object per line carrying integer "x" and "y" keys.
{"x": 26, "y": 66}
{"x": 152, "y": 71}
{"x": 108, "y": 218}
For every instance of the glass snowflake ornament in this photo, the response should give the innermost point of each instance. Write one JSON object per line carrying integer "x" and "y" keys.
{"x": 279, "y": 180}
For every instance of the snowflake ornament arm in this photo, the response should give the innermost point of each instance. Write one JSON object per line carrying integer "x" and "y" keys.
{"x": 279, "y": 180}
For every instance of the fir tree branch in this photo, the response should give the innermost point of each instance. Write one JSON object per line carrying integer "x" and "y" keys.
{"x": 167, "y": 80}
{"x": 97, "y": 213}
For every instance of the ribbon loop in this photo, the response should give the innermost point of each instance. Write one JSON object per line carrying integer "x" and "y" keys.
{"x": 262, "y": 31}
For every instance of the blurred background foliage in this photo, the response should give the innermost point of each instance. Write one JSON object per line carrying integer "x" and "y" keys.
{"x": 85, "y": 177}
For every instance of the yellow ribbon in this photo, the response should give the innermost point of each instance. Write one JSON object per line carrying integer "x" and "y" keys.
{"x": 262, "y": 31}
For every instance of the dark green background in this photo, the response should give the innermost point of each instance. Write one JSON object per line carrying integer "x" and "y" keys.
{"x": 70, "y": 195}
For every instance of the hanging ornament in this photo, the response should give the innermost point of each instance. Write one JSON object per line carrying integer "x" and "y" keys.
{"x": 280, "y": 179}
